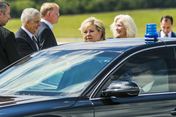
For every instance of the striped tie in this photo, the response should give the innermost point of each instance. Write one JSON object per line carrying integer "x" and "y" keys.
{"x": 35, "y": 42}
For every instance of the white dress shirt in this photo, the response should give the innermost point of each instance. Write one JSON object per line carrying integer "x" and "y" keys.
{"x": 163, "y": 35}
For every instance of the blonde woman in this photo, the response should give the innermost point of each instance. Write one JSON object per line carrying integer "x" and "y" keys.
{"x": 92, "y": 30}
{"x": 123, "y": 27}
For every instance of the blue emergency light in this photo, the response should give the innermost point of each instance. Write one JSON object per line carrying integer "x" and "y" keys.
{"x": 151, "y": 33}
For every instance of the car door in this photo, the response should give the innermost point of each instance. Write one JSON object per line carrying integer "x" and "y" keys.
{"x": 153, "y": 69}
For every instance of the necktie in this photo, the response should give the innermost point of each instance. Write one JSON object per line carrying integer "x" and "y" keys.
{"x": 35, "y": 42}
{"x": 166, "y": 35}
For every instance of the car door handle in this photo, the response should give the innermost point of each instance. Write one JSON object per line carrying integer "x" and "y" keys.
{"x": 173, "y": 112}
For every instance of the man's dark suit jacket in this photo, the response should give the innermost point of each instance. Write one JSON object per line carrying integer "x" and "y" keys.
{"x": 45, "y": 36}
{"x": 172, "y": 34}
{"x": 8, "y": 48}
{"x": 24, "y": 43}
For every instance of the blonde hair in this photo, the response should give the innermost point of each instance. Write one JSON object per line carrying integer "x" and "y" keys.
{"x": 47, "y": 7}
{"x": 93, "y": 21}
{"x": 131, "y": 29}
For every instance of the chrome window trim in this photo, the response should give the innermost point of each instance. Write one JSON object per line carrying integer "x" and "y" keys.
{"x": 155, "y": 47}
{"x": 149, "y": 94}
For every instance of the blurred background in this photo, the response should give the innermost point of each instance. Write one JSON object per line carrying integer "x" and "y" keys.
{"x": 73, "y": 12}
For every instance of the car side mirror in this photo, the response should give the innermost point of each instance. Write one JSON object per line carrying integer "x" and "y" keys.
{"x": 122, "y": 89}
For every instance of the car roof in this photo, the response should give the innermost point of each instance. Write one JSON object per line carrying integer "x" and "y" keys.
{"x": 114, "y": 44}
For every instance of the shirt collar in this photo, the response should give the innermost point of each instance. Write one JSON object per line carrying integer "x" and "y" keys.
{"x": 30, "y": 34}
{"x": 48, "y": 23}
{"x": 163, "y": 35}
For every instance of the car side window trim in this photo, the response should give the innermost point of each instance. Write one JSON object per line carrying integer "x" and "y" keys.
{"x": 149, "y": 94}
{"x": 106, "y": 76}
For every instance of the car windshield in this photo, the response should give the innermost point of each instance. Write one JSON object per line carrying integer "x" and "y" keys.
{"x": 54, "y": 73}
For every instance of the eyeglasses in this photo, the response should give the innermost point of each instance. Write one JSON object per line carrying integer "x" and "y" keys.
{"x": 58, "y": 14}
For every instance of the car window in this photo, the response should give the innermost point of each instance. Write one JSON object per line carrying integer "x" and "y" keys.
{"x": 61, "y": 73}
{"x": 150, "y": 76}
{"x": 152, "y": 70}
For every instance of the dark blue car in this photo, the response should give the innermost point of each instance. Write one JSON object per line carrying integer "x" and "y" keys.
{"x": 115, "y": 78}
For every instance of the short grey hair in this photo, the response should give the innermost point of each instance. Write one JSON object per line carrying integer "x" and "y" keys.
{"x": 28, "y": 14}
{"x": 3, "y": 6}
{"x": 128, "y": 22}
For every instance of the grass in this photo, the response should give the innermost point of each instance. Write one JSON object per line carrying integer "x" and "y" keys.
{"x": 66, "y": 30}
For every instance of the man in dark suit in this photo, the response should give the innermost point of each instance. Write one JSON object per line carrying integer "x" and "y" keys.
{"x": 8, "y": 46}
{"x": 49, "y": 15}
{"x": 26, "y": 41}
{"x": 166, "y": 24}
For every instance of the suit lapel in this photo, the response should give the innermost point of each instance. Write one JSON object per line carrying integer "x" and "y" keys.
{"x": 159, "y": 34}
{"x": 173, "y": 34}
{"x": 29, "y": 40}
{"x": 53, "y": 37}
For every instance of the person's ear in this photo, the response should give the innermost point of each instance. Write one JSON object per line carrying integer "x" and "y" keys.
{"x": 27, "y": 23}
{"x": 48, "y": 14}
{"x": 1, "y": 14}
{"x": 171, "y": 25}
{"x": 100, "y": 33}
